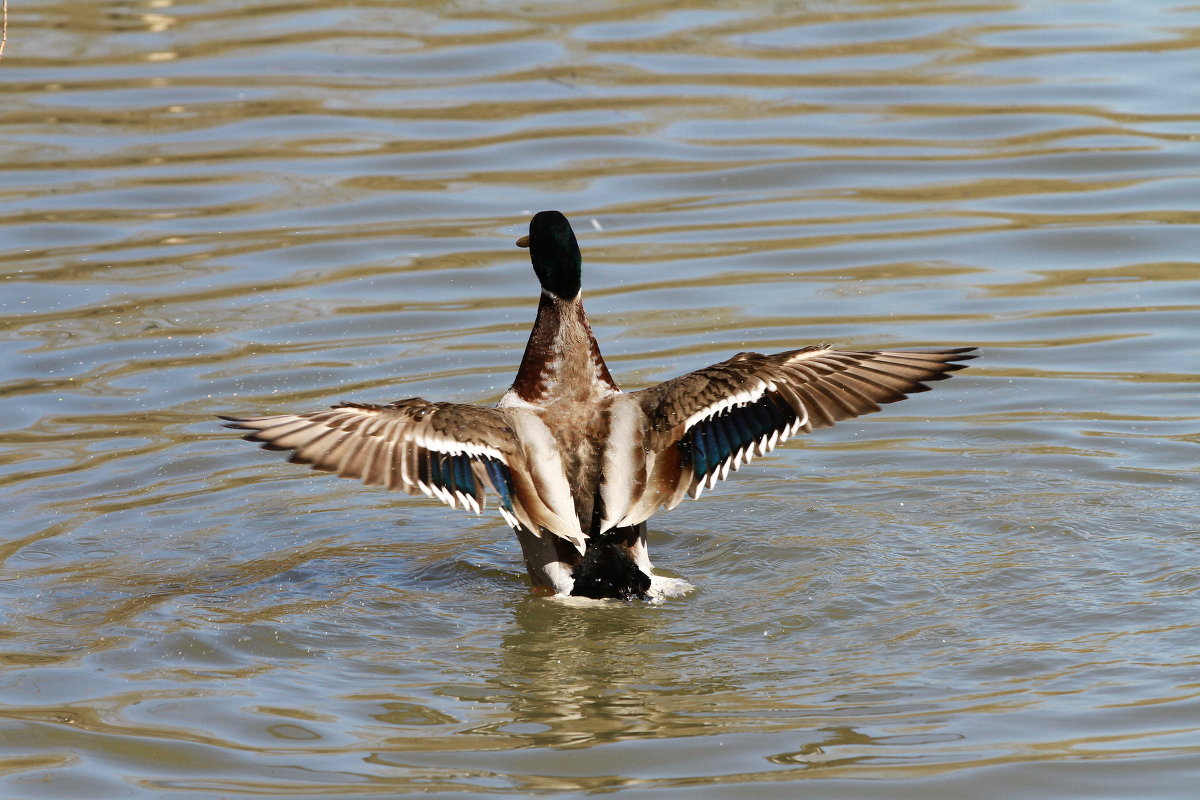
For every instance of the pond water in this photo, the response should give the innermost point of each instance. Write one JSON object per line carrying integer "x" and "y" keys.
{"x": 214, "y": 207}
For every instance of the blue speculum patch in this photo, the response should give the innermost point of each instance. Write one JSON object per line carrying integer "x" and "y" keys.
{"x": 711, "y": 441}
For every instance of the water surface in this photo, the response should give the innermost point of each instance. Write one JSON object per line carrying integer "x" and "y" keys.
{"x": 989, "y": 590}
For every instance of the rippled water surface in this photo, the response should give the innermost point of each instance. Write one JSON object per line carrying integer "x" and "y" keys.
{"x": 989, "y": 590}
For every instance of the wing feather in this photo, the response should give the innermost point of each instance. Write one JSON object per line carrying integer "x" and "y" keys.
{"x": 450, "y": 451}
{"x": 708, "y": 423}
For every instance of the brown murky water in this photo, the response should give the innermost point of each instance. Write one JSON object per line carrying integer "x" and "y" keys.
{"x": 220, "y": 207}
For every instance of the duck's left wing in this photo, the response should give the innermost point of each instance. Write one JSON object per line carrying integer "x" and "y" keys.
{"x": 451, "y": 451}
{"x": 709, "y": 422}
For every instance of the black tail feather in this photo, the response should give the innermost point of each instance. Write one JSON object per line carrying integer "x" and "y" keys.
{"x": 608, "y": 571}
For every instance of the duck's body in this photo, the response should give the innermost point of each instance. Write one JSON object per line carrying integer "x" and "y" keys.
{"x": 577, "y": 465}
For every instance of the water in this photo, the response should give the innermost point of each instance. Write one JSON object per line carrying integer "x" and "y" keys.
{"x": 989, "y": 590}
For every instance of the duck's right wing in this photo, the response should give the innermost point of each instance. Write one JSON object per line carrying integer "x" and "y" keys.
{"x": 709, "y": 422}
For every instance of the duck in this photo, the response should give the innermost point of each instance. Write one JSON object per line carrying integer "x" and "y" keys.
{"x": 575, "y": 465}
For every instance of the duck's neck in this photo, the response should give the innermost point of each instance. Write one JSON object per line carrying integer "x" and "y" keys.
{"x": 562, "y": 359}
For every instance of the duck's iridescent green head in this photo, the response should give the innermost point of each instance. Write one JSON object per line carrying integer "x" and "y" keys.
{"x": 554, "y": 253}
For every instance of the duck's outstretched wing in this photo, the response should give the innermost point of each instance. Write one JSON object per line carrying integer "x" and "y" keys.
{"x": 709, "y": 422}
{"x": 450, "y": 451}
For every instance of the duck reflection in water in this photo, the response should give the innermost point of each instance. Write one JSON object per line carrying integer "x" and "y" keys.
{"x": 582, "y": 677}
{"x": 576, "y": 465}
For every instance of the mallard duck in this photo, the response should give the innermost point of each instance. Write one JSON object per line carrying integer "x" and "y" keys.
{"x": 576, "y": 465}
